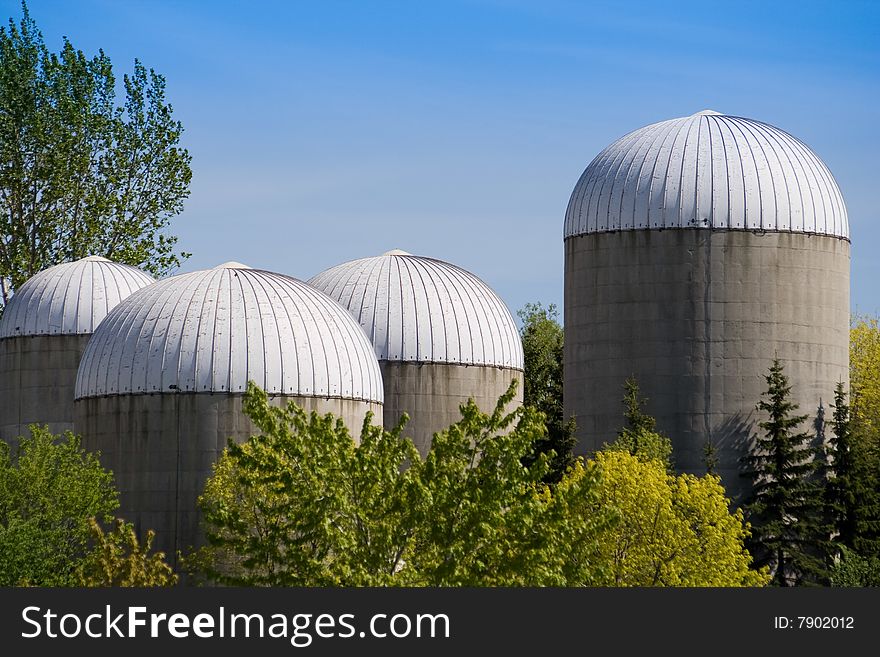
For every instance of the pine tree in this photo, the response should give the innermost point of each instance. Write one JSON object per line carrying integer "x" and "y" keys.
{"x": 639, "y": 436}
{"x": 788, "y": 533}
{"x": 851, "y": 494}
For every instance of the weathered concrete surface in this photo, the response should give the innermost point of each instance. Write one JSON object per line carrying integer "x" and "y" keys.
{"x": 431, "y": 393}
{"x": 161, "y": 449}
{"x": 37, "y": 379}
{"x": 697, "y": 316}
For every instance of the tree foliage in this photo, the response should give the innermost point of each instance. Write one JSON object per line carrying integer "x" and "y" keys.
{"x": 303, "y": 504}
{"x": 863, "y": 476}
{"x": 639, "y": 436}
{"x": 852, "y": 487}
{"x": 673, "y": 530}
{"x": 81, "y": 174}
{"x": 542, "y": 339}
{"x": 489, "y": 520}
{"x": 853, "y": 570}
{"x": 48, "y": 496}
{"x": 786, "y": 506}
{"x": 117, "y": 558}
{"x": 864, "y": 373}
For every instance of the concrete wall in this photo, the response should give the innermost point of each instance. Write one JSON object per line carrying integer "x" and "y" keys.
{"x": 161, "y": 449}
{"x": 697, "y": 316}
{"x": 37, "y": 379}
{"x": 432, "y": 392}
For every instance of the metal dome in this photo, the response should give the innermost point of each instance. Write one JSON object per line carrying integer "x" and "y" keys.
{"x": 420, "y": 309}
{"x": 707, "y": 170}
{"x": 71, "y": 298}
{"x": 214, "y": 330}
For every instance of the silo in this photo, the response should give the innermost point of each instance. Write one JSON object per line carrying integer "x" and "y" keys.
{"x": 440, "y": 333}
{"x": 160, "y": 386}
{"x": 697, "y": 250}
{"x": 43, "y": 331}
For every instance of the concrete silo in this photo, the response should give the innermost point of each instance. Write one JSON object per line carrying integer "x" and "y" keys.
{"x": 161, "y": 382}
{"x": 440, "y": 333}
{"x": 697, "y": 250}
{"x": 43, "y": 332}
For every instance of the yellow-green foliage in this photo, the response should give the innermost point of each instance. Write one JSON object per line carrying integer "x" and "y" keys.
{"x": 119, "y": 559}
{"x": 864, "y": 372}
{"x": 303, "y": 504}
{"x": 672, "y": 530}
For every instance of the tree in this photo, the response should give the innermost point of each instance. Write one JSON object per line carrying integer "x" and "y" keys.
{"x": 542, "y": 339}
{"x": 118, "y": 559}
{"x": 864, "y": 373}
{"x": 864, "y": 430}
{"x": 785, "y": 509}
{"x": 80, "y": 174}
{"x": 852, "y": 491}
{"x": 639, "y": 436}
{"x": 673, "y": 530}
{"x": 303, "y": 504}
{"x": 490, "y": 520}
{"x": 48, "y": 496}
{"x": 852, "y": 570}
{"x": 53, "y": 495}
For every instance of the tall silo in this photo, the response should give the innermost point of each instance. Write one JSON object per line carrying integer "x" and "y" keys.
{"x": 440, "y": 333}
{"x": 161, "y": 383}
{"x": 697, "y": 250}
{"x": 43, "y": 332}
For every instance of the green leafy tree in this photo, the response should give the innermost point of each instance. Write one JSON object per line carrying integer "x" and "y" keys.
{"x": 864, "y": 372}
{"x": 863, "y": 478}
{"x": 81, "y": 174}
{"x": 786, "y": 506}
{"x": 639, "y": 436}
{"x": 673, "y": 530}
{"x": 303, "y": 504}
{"x": 489, "y": 520}
{"x": 117, "y": 558}
{"x": 48, "y": 496}
{"x": 853, "y": 570}
{"x": 542, "y": 339}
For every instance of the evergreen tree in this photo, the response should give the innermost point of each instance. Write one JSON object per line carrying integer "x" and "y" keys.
{"x": 785, "y": 510}
{"x": 851, "y": 492}
{"x": 710, "y": 458}
{"x": 639, "y": 436}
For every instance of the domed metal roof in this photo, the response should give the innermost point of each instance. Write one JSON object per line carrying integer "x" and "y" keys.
{"x": 216, "y": 329}
{"x": 708, "y": 170}
{"x": 71, "y": 298}
{"x": 420, "y": 309}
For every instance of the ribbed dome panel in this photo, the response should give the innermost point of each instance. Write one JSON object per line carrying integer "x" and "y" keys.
{"x": 216, "y": 329}
{"x": 420, "y": 309}
{"x": 707, "y": 171}
{"x": 71, "y": 298}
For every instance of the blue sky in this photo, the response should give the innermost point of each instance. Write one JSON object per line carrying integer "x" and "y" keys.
{"x": 326, "y": 131}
